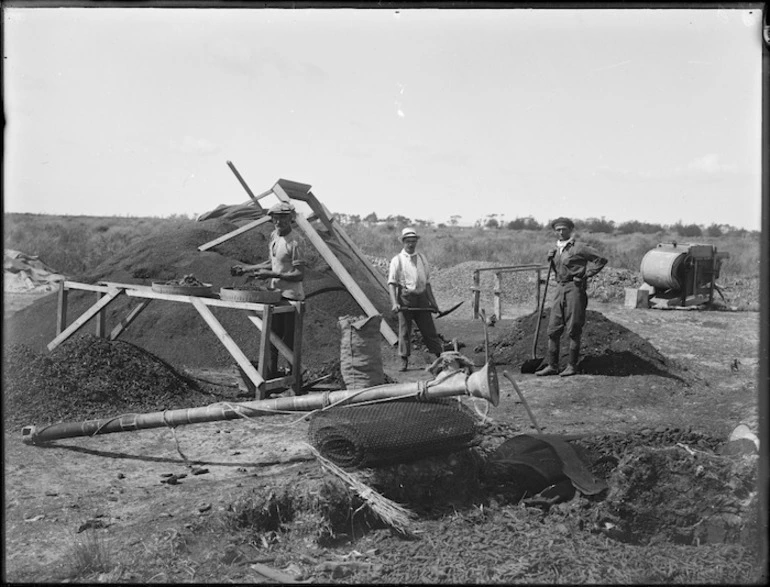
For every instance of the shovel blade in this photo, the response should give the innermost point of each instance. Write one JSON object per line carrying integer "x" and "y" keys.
{"x": 531, "y": 365}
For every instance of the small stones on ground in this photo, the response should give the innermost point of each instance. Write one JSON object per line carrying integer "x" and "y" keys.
{"x": 204, "y": 507}
{"x": 35, "y": 518}
{"x": 199, "y": 471}
{"x": 173, "y": 479}
{"x": 93, "y": 524}
{"x": 121, "y": 476}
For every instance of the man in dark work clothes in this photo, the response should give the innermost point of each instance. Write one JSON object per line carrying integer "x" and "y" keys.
{"x": 573, "y": 264}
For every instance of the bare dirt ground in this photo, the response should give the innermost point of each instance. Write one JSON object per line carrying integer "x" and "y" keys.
{"x": 114, "y": 489}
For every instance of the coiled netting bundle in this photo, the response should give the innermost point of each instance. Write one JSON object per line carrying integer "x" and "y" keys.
{"x": 391, "y": 432}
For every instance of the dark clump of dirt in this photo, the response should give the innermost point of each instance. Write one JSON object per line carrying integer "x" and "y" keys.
{"x": 608, "y": 348}
{"x": 88, "y": 377}
{"x": 681, "y": 496}
{"x": 175, "y": 331}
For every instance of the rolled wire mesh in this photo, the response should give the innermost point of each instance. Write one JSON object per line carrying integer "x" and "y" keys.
{"x": 391, "y": 432}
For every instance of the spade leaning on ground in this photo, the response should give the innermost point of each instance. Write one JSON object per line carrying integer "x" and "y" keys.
{"x": 573, "y": 264}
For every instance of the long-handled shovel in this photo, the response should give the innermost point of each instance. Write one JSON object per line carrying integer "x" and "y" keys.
{"x": 439, "y": 313}
{"x": 531, "y": 365}
{"x": 523, "y": 401}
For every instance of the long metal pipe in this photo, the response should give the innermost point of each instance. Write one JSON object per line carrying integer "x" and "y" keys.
{"x": 482, "y": 383}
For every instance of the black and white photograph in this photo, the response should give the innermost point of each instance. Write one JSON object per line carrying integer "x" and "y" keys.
{"x": 385, "y": 293}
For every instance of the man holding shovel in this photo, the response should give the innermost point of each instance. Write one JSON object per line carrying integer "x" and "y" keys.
{"x": 409, "y": 285}
{"x": 573, "y": 264}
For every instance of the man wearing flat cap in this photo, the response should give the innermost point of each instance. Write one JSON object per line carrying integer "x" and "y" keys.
{"x": 409, "y": 285}
{"x": 284, "y": 270}
{"x": 573, "y": 265}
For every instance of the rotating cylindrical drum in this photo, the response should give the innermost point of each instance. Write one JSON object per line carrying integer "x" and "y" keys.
{"x": 663, "y": 269}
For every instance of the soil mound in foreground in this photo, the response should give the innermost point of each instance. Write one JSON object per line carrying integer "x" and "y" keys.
{"x": 176, "y": 332}
{"x": 89, "y": 377}
{"x": 608, "y": 348}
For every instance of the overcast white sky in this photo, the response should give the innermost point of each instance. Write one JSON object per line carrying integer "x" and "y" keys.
{"x": 650, "y": 115}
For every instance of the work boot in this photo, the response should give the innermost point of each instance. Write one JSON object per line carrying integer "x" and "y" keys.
{"x": 404, "y": 364}
{"x": 547, "y": 370}
{"x": 574, "y": 357}
{"x": 552, "y": 368}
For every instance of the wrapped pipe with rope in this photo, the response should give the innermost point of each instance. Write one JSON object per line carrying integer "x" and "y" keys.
{"x": 482, "y": 384}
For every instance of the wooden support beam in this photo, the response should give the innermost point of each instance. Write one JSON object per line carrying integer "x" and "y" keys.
{"x": 118, "y": 330}
{"x": 498, "y": 304}
{"x": 229, "y": 343}
{"x": 234, "y": 233}
{"x": 254, "y": 199}
{"x": 476, "y": 293}
{"x": 265, "y": 348}
{"x": 61, "y": 317}
{"x": 379, "y": 279}
{"x": 90, "y": 286}
{"x": 207, "y": 301}
{"x": 319, "y": 211}
{"x": 296, "y": 370}
{"x": 100, "y": 318}
{"x": 339, "y": 269}
{"x": 87, "y": 315}
{"x": 277, "y": 342}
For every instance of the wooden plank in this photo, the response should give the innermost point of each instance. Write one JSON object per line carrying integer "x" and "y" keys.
{"x": 118, "y": 330}
{"x": 87, "y": 286}
{"x": 234, "y": 233}
{"x": 339, "y": 269}
{"x": 265, "y": 349}
{"x": 85, "y": 317}
{"x": 379, "y": 278}
{"x": 514, "y": 268}
{"x": 476, "y": 293}
{"x": 228, "y": 342}
{"x": 498, "y": 304}
{"x": 100, "y": 318}
{"x": 279, "y": 383}
{"x": 254, "y": 199}
{"x": 294, "y": 189}
{"x": 207, "y": 301}
{"x": 277, "y": 342}
{"x": 126, "y": 285}
{"x": 318, "y": 211}
{"x": 298, "y": 327}
{"x": 61, "y": 315}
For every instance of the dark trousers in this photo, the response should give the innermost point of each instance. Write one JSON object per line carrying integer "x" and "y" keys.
{"x": 283, "y": 327}
{"x": 424, "y": 321}
{"x": 568, "y": 311}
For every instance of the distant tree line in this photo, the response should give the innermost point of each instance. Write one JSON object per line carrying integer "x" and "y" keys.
{"x": 595, "y": 225}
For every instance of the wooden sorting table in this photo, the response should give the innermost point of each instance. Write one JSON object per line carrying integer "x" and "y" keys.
{"x": 261, "y": 315}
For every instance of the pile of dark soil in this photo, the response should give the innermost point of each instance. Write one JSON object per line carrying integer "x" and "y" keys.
{"x": 675, "y": 512}
{"x": 176, "y": 332}
{"x": 607, "y": 347}
{"x": 89, "y": 377}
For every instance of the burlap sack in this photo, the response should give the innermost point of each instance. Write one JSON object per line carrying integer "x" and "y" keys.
{"x": 360, "y": 353}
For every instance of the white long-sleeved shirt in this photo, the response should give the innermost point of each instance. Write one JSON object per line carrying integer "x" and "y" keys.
{"x": 411, "y": 272}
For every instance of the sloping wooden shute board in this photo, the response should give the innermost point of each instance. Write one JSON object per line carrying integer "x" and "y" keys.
{"x": 286, "y": 191}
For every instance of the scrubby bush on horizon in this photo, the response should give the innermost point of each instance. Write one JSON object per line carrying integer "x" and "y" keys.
{"x": 73, "y": 245}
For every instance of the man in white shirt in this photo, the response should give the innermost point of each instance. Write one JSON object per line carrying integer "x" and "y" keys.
{"x": 409, "y": 285}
